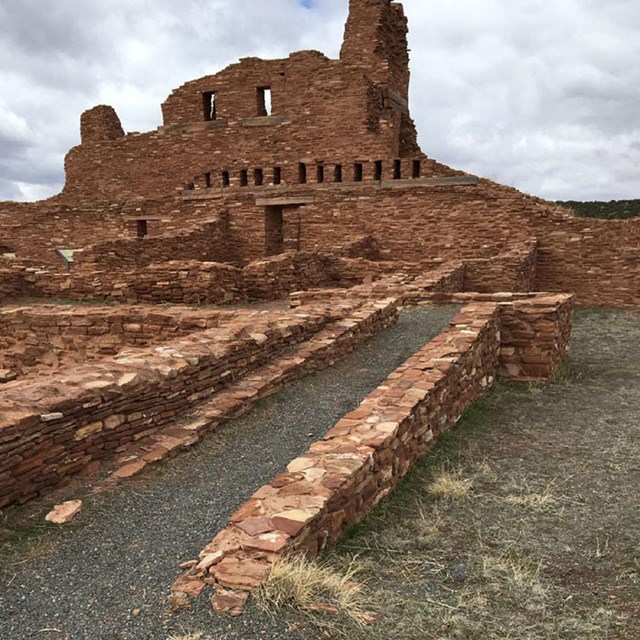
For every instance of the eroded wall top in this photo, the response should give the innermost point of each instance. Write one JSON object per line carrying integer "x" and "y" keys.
{"x": 261, "y": 113}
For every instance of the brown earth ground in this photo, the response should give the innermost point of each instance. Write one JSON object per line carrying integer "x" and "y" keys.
{"x": 523, "y": 523}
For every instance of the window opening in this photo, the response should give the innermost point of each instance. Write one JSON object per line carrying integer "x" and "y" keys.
{"x": 264, "y": 101}
{"x": 337, "y": 173}
{"x": 378, "y": 170}
{"x": 226, "y": 179}
{"x": 357, "y": 171}
{"x": 302, "y": 173}
{"x": 397, "y": 169}
{"x": 320, "y": 173}
{"x": 244, "y": 178}
{"x": 416, "y": 168}
{"x": 207, "y": 180}
{"x": 277, "y": 175}
{"x": 258, "y": 177}
{"x": 209, "y": 105}
{"x": 143, "y": 229}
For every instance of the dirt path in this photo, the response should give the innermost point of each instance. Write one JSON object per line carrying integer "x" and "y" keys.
{"x": 123, "y": 554}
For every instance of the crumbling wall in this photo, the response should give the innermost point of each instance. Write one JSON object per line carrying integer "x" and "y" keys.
{"x": 343, "y": 476}
{"x": 356, "y": 107}
{"x": 205, "y": 242}
{"x": 35, "y": 230}
{"x": 53, "y": 429}
{"x": 514, "y": 270}
{"x": 11, "y": 284}
{"x": 44, "y": 338}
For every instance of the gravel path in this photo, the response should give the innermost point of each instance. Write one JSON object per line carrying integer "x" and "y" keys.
{"x": 124, "y": 551}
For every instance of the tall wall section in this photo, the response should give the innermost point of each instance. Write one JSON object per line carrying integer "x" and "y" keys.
{"x": 355, "y": 106}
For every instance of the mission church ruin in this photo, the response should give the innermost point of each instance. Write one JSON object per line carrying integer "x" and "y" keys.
{"x": 271, "y": 177}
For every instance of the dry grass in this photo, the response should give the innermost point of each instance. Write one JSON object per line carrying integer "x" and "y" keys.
{"x": 299, "y": 584}
{"x": 516, "y": 573}
{"x": 450, "y": 484}
{"x": 534, "y": 501}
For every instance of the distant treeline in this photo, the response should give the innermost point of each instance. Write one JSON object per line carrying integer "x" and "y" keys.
{"x": 613, "y": 210}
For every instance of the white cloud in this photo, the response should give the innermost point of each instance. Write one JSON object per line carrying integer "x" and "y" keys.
{"x": 535, "y": 94}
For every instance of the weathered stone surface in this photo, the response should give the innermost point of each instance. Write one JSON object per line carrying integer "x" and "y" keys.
{"x": 245, "y": 574}
{"x": 7, "y": 375}
{"x": 130, "y": 469}
{"x": 224, "y": 600}
{"x": 65, "y": 512}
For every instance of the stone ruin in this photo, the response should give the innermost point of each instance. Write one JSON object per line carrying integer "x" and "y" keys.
{"x": 297, "y": 179}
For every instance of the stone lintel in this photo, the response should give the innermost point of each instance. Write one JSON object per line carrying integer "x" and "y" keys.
{"x": 267, "y": 121}
{"x": 445, "y": 181}
{"x": 285, "y": 202}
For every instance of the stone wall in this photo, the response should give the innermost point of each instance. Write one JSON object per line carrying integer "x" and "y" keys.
{"x": 34, "y": 230}
{"x": 55, "y": 428}
{"x": 195, "y": 282}
{"x": 514, "y": 270}
{"x": 205, "y": 242}
{"x": 359, "y": 462}
{"x": 11, "y": 284}
{"x": 598, "y": 260}
{"x": 357, "y": 105}
{"x": 47, "y": 337}
{"x": 407, "y": 287}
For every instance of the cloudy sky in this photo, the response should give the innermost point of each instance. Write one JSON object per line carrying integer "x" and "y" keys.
{"x": 540, "y": 94}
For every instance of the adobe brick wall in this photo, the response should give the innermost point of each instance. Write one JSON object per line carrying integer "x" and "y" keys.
{"x": 53, "y": 429}
{"x": 358, "y": 462}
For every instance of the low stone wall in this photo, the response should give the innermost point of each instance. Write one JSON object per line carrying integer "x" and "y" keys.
{"x": 330, "y": 344}
{"x": 195, "y": 282}
{"x": 205, "y": 242}
{"x": 535, "y": 336}
{"x": 361, "y": 460}
{"x": 53, "y": 429}
{"x": 514, "y": 270}
{"x": 11, "y": 284}
{"x": 49, "y": 336}
{"x": 407, "y": 287}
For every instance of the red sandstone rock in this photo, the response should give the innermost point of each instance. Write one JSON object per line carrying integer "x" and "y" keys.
{"x": 292, "y": 522}
{"x": 189, "y": 585}
{"x": 65, "y": 512}
{"x": 208, "y": 560}
{"x": 224, "y": 600}
{"x": 130, "y": 469}
{"x": 245, "y": 574}
{"x": 255, "y": 526}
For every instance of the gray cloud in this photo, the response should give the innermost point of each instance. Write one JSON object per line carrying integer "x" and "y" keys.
{"x": 535, "y": 94}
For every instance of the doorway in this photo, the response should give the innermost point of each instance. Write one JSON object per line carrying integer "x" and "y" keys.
{"x": 273, "y": 230}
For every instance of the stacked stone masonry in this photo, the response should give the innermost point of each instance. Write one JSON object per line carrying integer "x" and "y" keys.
{"x": 359, "y": 461}
{"x": 52, "y": 429}
{"x": 226, "y": 180}
{"x": 44, "y": 338}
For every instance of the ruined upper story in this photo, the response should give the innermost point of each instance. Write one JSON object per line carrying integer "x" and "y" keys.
{"x": 262, "y": 113}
